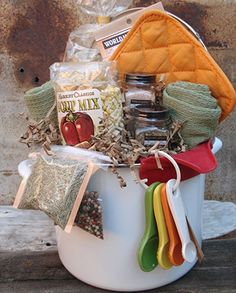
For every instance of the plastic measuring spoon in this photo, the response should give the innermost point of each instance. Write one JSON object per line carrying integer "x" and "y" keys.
{"x": 175, "y": 246}
{"x": 148, "y": 246}
{"x": 163, "y": 247}
{"x": 177, "y": 209}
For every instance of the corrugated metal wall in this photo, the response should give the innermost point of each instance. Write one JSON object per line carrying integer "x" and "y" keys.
{"x": 33, "y": 34}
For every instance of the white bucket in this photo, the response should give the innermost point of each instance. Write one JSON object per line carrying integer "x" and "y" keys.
{"x": 112, "y": 263}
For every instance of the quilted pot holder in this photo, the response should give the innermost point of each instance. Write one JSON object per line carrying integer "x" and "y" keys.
{"x": 159, "y": 44}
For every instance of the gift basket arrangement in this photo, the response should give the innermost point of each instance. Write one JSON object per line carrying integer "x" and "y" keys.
{"x": 125, "y": 129}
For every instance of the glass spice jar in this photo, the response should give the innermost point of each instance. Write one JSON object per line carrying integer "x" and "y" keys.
{"x": 139, "y": 89}
{"x": 151, "y": 125}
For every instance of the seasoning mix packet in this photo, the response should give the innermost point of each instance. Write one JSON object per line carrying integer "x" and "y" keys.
{"x": 86, "y": 93}
{"x": 55, "y": 186}
{"x": 81, "y": 45}
{"x": 89, "y": 216}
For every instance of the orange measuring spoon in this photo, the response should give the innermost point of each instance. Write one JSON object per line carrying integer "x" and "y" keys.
{"x": 175, "y": 246}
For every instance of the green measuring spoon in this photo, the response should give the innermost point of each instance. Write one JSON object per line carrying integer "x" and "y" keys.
{"x": 148, "y": 246}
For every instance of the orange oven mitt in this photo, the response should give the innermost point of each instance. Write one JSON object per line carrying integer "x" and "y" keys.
{"x": 157, "y": 43}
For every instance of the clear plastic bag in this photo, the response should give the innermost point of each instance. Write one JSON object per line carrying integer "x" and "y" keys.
{"x": 89, "y": 217}
{"x": 70, "y": 76}
{"x": 72, "y": 153}
{"x": 81, "y": 42}
{"x": 56, "y": 185}
{"x": 86, "y": 94}
{"x": 81, "y": 45}
{"x": 104, "y": 9}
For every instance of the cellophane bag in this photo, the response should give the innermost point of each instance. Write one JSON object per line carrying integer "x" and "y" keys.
{"x": 87, "y": 93}
{"x": 56, "y": 184}
{"x": 81, "y": 45}
{"x": 103, "y": 10}
{"x": 89, "y": 216}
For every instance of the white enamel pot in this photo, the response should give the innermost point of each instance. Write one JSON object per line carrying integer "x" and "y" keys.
{"x": 112, "y": 263}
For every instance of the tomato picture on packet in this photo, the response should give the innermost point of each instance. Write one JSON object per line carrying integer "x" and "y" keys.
{"x": 76, "y": 127}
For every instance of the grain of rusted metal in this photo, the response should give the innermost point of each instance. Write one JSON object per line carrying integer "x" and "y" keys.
{"x": 36, "y": 33}
{"x": 206, "y": 18}
{"x": 193, "y": 13}
{"x": 37, "y": 39}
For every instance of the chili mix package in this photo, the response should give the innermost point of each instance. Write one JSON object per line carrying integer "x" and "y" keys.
{"x": 86, "y": 93}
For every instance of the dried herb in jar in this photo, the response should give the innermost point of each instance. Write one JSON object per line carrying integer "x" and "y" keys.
{"x": 151, "y": 125}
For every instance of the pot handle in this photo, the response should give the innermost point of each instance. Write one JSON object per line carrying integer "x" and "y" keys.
{"x": 188, "y": 26}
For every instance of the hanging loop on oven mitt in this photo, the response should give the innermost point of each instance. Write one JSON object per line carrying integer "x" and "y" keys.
{"x": 159, "y": 44}
{"x": 199, "y": 160}
{"x": 193, "y": 106}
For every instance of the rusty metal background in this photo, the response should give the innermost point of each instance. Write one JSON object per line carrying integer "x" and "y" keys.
{"x": 33, "y": 35}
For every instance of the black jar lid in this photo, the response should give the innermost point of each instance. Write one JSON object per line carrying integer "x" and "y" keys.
{"x": 159, "y": 112}
{"x": 140, "y": 78}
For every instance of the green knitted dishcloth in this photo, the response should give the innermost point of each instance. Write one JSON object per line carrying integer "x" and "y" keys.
{"x": 39, "y": 101}
{"x": 193, "y": 105}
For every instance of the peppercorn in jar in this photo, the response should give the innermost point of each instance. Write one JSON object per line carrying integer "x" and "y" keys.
{"x": 151, "y": 125}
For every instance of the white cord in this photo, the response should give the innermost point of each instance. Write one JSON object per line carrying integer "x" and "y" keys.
{"x": 177, "y": 170}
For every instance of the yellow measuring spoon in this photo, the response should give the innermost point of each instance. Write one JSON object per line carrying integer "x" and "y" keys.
{"x": 163, "y": 247}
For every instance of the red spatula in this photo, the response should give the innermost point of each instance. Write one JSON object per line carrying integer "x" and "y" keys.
{"x": 199, "y": 160}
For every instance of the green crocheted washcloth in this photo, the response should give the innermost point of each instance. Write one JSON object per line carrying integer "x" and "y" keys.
{"x": 193, "y": 105}
{"x": 39, "y": 101}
